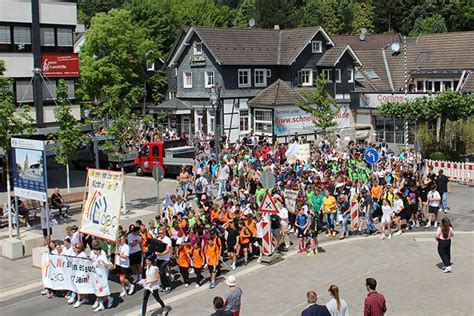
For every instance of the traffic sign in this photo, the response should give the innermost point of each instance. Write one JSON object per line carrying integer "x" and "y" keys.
{"x": 158, "y": 173}
{"x": 267, "y": 205}
{"x": 267, "y": 238}
{"x": 371, "y": 156}
{"x": 267, "y": 179}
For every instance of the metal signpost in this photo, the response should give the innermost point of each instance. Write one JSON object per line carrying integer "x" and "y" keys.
{"x": 267, "y": 179}
{"x": 158, "y": 174}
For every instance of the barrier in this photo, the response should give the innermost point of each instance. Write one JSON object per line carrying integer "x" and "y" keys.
{"x": 462, "y": 172}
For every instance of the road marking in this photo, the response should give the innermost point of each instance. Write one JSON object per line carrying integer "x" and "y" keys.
{"x": 21, "y": 289}
{"x": 148, "y": 178}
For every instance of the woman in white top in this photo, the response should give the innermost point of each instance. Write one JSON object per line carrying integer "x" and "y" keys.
{"x": 336, "y": 306}
{"x": 151, "y": 284}
{"x": 101, "y": 259}
{"x": 80, "y": 253}
{"x": 123, "y": 266}
{"x": 398, "y": 209}
{"x": 387, "y": 212}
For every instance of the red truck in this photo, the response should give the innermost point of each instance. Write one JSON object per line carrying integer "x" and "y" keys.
{"x": 170, "y": 155}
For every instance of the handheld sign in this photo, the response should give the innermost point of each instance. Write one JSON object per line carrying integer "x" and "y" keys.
{"x": 371, "y": 156}
{"x": 268, "y": 205}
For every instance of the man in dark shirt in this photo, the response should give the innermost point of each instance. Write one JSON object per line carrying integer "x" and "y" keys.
{"x": 374, "y": 304}
{"x": 218, "y": 303}
{"x": 443, "y": 187}
{"x": 57, "y": 201}
{"x": 314, "y": 309}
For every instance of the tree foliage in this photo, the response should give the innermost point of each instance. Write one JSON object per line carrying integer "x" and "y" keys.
{"x": 112, "y": 62}
{"x": 68, "y": 137}
{"x": 364, "y": 16}
{"x": 431, "y": 24}
{"x": 14, "y": 121}
{"x": 276, "y": 12}
{"x": 322, "y": 106}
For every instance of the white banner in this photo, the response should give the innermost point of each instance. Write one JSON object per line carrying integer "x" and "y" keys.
{"x": 290, "y": 200}
{"x": 374, "y": 100}
{"x": 101, "y": 210}
{"x": 299, "y": 152}
{"x": 79, "y": 275}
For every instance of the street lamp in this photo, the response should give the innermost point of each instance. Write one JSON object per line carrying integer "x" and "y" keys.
{"x": 144, "y": 83}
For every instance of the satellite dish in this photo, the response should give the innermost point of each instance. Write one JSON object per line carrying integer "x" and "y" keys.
{"x": 362, "y": 36}
{"x": 395, "y": 47}
{"x": 252, "y": 22}
{"x": 363, "y": 30}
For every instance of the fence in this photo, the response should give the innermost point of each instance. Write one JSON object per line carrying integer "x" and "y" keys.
{"x": 462, "y": 172}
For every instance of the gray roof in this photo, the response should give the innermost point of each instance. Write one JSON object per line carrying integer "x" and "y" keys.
{"x": 278, "y": 93}
{"x": 252, "y": 46}
{"x": 172, "y": 104}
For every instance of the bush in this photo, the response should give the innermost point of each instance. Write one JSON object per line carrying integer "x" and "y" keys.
{"x": 437, "y": 155}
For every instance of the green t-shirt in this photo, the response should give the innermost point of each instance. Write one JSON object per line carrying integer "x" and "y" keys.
{"x": 259, "y": 194}
{"x": 310, "y": 197}
{"x": 317, "y": 202}
{"x": 191, "y": 222}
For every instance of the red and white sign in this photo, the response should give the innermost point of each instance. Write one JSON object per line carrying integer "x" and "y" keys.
{"x": 355, "y": 214}
{"x": 60, "y": 65}
{"x": 456, "y": 171}
{"x": 267, "y": 238}
{"x": 268, "y": 205}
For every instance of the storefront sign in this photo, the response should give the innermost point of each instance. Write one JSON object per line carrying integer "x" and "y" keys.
{"x": 60, "y": 65}
{"x": 374, "y": 100}
{"x": 79, "y": 275}
{"x": 197, "y": 61}
{"x": 29, "y": 169}
{"x": 101, "y": 210}
{"x": 290, "y": 120}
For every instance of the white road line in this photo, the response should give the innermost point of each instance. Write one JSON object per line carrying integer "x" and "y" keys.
{"x": 147, "y": 178}
{"x": 21, "y": 289}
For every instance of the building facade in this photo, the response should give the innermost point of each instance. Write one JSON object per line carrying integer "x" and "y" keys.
{"x": 36, "y": 43}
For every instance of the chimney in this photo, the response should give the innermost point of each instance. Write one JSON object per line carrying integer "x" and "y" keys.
{"x": 276, "y": 27}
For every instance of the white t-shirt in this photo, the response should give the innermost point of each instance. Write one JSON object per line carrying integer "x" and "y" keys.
{"x": 397, "y": 205}
{"x": 68, "y": 251}
{"x": 75, "y": 238}
{"x": 82, "y": 254}
{"x": 259, "y": 229}
{"x": 131, "y": 239}
{"x": 123, "y": 250}
{"x": 150, "y": 275}
{"x": 46, "y": 218}
{"x": 332, "y": 308}
{"x": 387, "y": 210}
{"x": 283, "y": 213}
{"x": 167, "y": 241}
{"x": 224, "y": 173}
{"x": 101, "y": 257}
{"x": 434, "y": 195}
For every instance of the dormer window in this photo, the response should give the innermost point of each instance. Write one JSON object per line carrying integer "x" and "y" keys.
{"x": 197, "y": 48}
{"x": 317, "y": 47}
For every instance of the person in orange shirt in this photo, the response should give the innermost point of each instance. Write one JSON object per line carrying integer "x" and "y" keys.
{"x": 197, "y": 261}
{"x": 250, "y": 224}
{"x": 184, "y": 261}
{"x": 182, "y": 223}
{"x": 244, "y": 241}
{"x": 212, "y": 252}
{"x": 215, "y": 213}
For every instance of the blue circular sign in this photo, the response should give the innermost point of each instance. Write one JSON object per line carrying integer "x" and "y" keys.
{"x": 371, "y": 156}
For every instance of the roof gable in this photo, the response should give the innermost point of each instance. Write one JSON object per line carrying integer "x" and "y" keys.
{"x": 333, "y": 55}
{"x": 277, "y": 94}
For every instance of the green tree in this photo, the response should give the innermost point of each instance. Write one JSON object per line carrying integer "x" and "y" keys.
{"x": 159, "y": 85}
{"x": 13, "y": 121}
{"x": 431, "y": 24}
{"x": 113, "y": 63}
{"x": 88, "y": 8}
{"x": 389, "y": 15}
{"x": 312, "y": 13}
{"x": 276, "y": 12}
{"x": 346, "y": 15}
{"x": 245, "y": 12}
{"x": 364, "y": 16}
{"x": 68, "y": 137}
{"x": 321, "y": 105}
{"x": 331, "y": 21}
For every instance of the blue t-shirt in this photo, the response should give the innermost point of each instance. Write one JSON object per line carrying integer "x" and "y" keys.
{"x": 301, "y": 220}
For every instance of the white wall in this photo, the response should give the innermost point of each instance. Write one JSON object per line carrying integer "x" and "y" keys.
{"x": 15, "y": 11}
{"x": 18, "y": 65}
{"x": 48, "y": 113}
{"x": 58, "y": 12}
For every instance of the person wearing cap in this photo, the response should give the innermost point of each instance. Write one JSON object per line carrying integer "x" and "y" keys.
{"x": 151, "y": 284}
{"x": 233, "y": 296}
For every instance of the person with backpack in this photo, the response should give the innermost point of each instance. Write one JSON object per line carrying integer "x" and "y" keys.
{"x": 200, "y": 185}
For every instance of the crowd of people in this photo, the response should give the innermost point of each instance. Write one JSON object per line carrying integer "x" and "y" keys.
{"x": 194, "y": 236}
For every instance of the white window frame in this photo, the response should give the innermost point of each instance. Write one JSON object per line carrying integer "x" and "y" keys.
{"x": 21, "y": 38}
{"x": 263, "y": 73}
{"x": 257, "y": 120}
{"x": 206, "y": 78}
{"x": 269, "y": 73}
{"x": 64, "y": 37}
{"x": 171, "y": 94}
{"x": 187, "y": 86}
{"x": 337, "y": 75}
{"x": 196, "y": 50}
{"x": 327, "y": 74}
{"x": 351, "y": 76}
{"x": 316, "y": 47}
{"x": 310, "y": 77}
{"x": 247, "y": 118}
{"x": 5, "y": 36}
{"x": 43, "y": 37}
{"x": 249, "y": 75}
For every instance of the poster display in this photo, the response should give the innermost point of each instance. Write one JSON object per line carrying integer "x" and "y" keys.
{"x": 290, "y": 200}
{"x": 29, "y": 169}
{"x": 298, "y": 152}
{"x": 79, "y": 275}
{"x": 60, "y": 65}
{"x": 101, "y": 209}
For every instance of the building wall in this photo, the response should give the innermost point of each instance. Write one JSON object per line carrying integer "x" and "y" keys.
{"x": 51, "y": 11}
{"x": 18, "y": 65}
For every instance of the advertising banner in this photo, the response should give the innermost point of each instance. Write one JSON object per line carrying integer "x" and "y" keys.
{"x": 298, "y": 152}
{"x": 60, "y": 65}
{"x": 101, "y": 209}
{"x": 29, "y": 169}
{"x": 79, "y": 275}
{"x": 290, "y": 200}
{"x": 374, "y": 100}
{"x": 290, "y": 120}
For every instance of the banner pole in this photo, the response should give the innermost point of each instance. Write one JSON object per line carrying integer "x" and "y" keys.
{"x": 9, "y": 204}
{"x": 17, "y": 218}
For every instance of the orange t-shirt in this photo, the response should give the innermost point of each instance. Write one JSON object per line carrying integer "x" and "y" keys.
{"x": 215, "y": 214}
{"x": 183, "y": 256}
{"x": 251, "y": 226}
{"x": 228, "y": 216}
{"x": 183, "y": 224}
{"x": 244, "y": 235}
{"x": 212, "y": 254}
{"x": 145, "y": 236}
{"x": 376, "y": 192}
{"x": 198, "y": 258}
